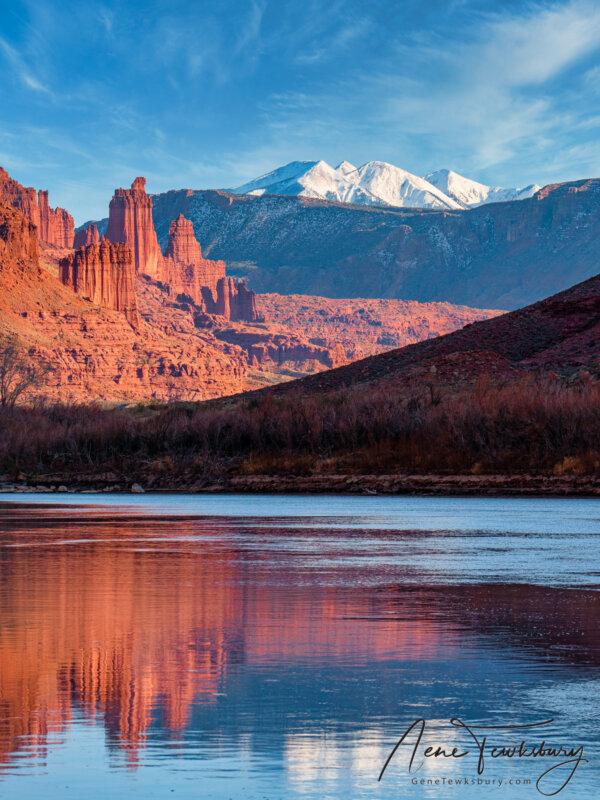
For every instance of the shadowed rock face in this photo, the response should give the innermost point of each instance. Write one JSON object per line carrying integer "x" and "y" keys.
{"x": 105, "y": 274}
{"x": 55, "y": 226}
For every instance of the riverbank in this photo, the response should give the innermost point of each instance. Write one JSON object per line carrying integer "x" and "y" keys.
{"x": 441, "y": 485}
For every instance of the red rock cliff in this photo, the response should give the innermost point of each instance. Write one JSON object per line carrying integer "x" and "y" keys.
{"x": 187, "y": 270}
{"x": 18, "y": 241}
{"x": 105, "y": 274}
{"x": 55, "y": 225}
{"x": 130, "y": 222}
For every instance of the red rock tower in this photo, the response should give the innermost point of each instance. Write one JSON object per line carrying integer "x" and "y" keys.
{"x": 183, "y": 246}
{"x": 130, "y": 222}
{"x": 56, "y": 226}
{"x": 186, "y": 269}
{"x": 235, "y": 301}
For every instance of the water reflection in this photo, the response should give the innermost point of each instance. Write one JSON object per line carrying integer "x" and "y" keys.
{"x": 207, "y": 650}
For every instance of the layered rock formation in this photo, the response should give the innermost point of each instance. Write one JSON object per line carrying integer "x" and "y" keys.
{"x": 18, "y": 242}
{"x": 186, "y": 270}
{"x": 55, "y": 225}
{"x": 105, "y": 274}
{"x": 115, "y": 336}
{"x": 182, "y": 268}
{"x": 130, "y": 222}
{"x": 86, "y": 235}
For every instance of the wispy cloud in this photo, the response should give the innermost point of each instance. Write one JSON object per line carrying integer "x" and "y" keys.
{"x": 477, "y": 98}
{"x": 20, "y": 68}
{"x": 213, "y": 94}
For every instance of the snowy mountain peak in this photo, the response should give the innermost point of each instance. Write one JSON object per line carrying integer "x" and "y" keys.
{"x": 345, "y": 167}
{"x": 380, "y": 183}
{"x": 469, "y": 193}
{"x": 288, "y": 172}
{"x": 316, "y": 179}
{"x": 398, "y": 187}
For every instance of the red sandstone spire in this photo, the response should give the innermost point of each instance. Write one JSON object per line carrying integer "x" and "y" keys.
{"x": 130, "y": 222}
{"x": 185, "y": 269}
{"x": 56, "y": 226}
{"x": 183, "y": 246}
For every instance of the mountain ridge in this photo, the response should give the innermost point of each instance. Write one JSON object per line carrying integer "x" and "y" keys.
{"x": 499, "y": 255}
{"x": 379, "y": 183}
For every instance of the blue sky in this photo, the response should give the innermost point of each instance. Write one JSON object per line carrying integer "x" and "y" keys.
{"x": 210, "y": 94}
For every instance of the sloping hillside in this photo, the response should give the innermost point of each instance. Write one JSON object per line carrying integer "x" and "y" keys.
{"x": 558, "y": 335}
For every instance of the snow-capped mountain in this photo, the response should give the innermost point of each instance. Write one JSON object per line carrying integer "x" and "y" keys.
{"x": 397, "y": 187}
{"x": 345, "y": 167}
{"x": 378, "y": 183}
{"x": 470, "y": 193}
{"x": 312, "y": 179}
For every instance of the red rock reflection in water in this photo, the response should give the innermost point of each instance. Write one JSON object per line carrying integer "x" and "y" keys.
{"x": 133, "y": 631}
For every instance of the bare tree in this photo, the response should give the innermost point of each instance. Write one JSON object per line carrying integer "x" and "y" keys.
{"x": 18, "y": 373}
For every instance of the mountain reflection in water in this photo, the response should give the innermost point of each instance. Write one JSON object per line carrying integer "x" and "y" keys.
{"x": 200, "y": 642}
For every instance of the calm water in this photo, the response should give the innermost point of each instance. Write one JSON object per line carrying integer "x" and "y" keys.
{"x": 278, "y": 647}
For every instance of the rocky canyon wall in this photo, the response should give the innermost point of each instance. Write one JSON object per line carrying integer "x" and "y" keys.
{"x": 55, "y": 226}
{"x": 104, "y": 273}
{"x": 18, "y": 241}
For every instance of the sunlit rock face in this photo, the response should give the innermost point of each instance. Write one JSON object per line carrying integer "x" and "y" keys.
{"x": 105, "y": 274}
{"x": 55, "y": 226}
{"x": 130, "y": 222}
{"x": 186, "y": 270}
